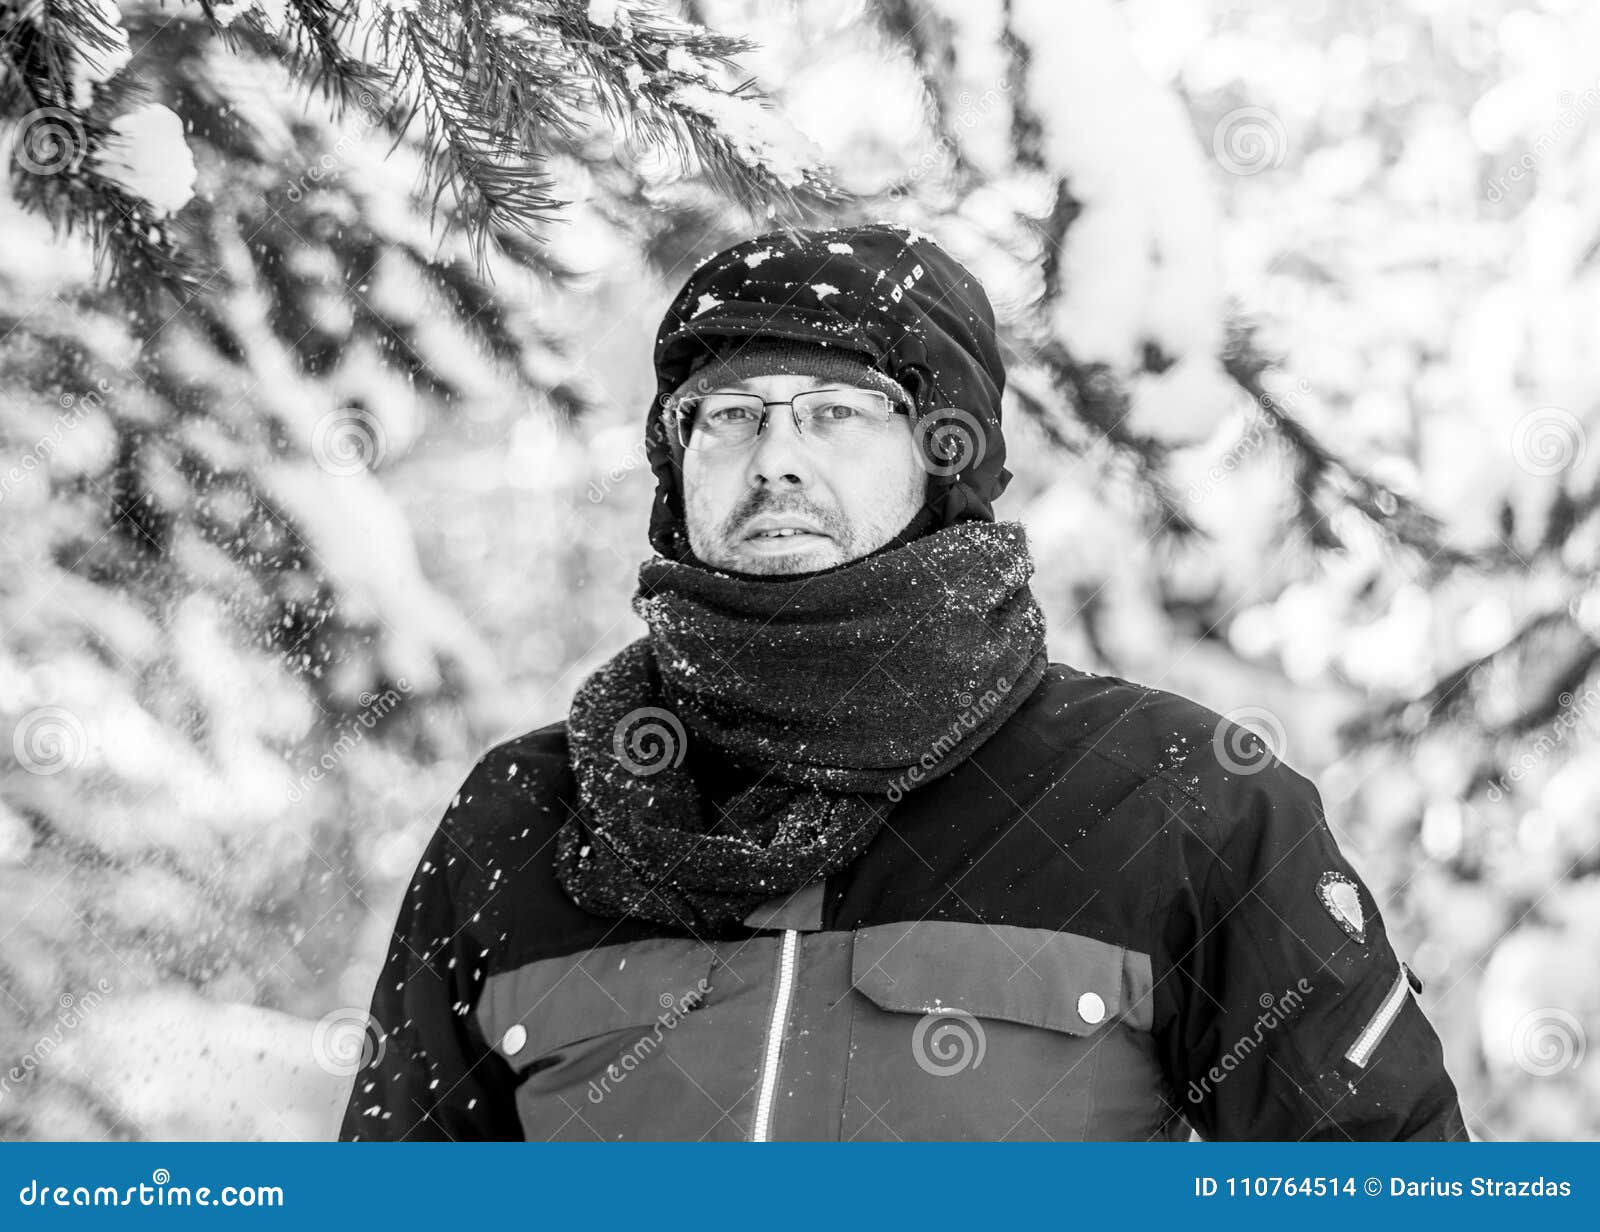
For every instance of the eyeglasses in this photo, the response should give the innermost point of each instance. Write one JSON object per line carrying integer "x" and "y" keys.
{"x": 834, "y": 417}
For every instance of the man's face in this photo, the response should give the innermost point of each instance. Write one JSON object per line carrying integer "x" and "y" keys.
{"x": 847, "y": 502}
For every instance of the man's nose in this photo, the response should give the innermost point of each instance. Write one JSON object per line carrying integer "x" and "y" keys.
{"x": 780, "y": 454}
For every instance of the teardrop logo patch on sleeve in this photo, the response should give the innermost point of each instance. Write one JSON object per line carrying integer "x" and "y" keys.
{"x": 1343, "y": 901}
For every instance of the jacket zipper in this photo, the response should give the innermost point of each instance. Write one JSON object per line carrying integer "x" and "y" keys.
{"x": 766, "y": 1091}
{"x": 1378, "y": 1025}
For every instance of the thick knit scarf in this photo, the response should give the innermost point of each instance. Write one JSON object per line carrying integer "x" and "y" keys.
{"x": 835, "y": 692}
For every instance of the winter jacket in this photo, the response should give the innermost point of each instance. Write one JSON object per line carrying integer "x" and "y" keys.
{"x": 1105, "y": 924}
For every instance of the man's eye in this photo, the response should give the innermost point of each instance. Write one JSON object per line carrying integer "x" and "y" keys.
{"x": 837, "y": 411}
{"x": 727, "y": 414}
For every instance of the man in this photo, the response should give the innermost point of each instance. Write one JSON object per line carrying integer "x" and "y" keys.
{"x": 835, "y": 852}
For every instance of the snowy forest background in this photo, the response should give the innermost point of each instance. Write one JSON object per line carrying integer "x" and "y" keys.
{"x": 324, "y": 356}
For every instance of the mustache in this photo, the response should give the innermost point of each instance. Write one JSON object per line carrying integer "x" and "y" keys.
{"x": 759, "y": 504}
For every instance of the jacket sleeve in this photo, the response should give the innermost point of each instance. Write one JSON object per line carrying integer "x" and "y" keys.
{"x": 1294, "y": 1017}
{"x": 428, "y": 1074}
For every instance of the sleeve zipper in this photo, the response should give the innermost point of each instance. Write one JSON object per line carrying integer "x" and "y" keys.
{"x": 1360, "y": 1052}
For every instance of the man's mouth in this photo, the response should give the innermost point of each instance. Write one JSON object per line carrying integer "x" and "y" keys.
{"x": 787, "y": 532}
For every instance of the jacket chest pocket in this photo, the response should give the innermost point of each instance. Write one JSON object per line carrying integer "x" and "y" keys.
{"x": 589, "y": 1036}
{"x": 996, "y": 1032}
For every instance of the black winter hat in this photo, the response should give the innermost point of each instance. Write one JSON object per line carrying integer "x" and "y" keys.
{"x": 879, "y": 290}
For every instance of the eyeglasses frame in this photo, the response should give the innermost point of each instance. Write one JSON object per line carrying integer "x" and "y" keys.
{"x": 896, "y": 407}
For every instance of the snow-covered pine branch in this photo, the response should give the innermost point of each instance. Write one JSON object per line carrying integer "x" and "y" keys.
{"x": 493, "y": 88}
